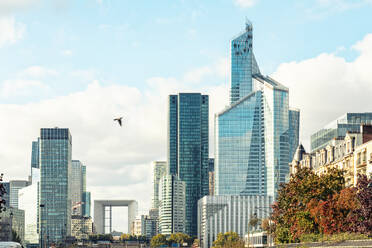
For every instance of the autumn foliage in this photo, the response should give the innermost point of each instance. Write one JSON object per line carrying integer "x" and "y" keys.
{"x": 312, "y": 204}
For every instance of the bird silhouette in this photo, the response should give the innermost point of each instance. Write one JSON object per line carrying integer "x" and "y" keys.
{"x": 118, "y": 120}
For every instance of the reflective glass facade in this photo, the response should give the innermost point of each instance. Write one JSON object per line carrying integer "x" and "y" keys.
{"x": 255, "y": 135}
{"x": 243, "y": 64}
{"x": 349, "y": 122}
{"x": 35, "y": 154}
{"x": 159, "y": 170}
{"x": 76, "y": 185}
{"x": 55, "y": 193}
{"x": 87, "y": 204}
{"x": 239, "y": 152}
{"x": 294, "y": 131}
{"x": 188, "y": 149}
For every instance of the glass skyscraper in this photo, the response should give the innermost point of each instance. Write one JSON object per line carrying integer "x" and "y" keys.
{"x": 159, "y": 170}
{"x": 55, "y": 193}
{"x": 188, "y": 149}
{"x": 253, "y": 134}
{"x": 35, "y": 154}
{"x": 77, "y": 186}
{"x": 294, "y": 130}
{"x": 349, "y": 122}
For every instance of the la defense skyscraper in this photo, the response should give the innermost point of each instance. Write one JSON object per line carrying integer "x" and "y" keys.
{"x": 188, "y": 148}
{"x": 254, "y": 140}
{"x": 55, "y": 187}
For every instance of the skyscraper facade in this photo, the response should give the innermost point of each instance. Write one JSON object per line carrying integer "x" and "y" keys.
{"x": 77, "y": 185}
{"x": 159, "y": 170}
{"x": 87, "y": 204}
{"x": 252, "y": 135}
{"x": 294, "y": 131}
{"x": 188, "y": 149}
{"x": 172, "y": 205}
{"x": 35, "y": 154}
{"x": 14, "y": 187}
{"x": 55, "y": 192}
{"x": 349, "y": 122}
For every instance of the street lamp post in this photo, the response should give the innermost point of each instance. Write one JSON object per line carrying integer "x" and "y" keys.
{"x": 41, "y": 227}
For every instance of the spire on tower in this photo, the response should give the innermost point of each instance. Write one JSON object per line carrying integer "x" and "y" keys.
{"x": 248, "y": 24}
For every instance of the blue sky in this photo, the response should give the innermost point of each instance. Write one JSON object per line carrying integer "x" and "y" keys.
{"x": 79, "y": 64}
{"x": 130, "y": 41}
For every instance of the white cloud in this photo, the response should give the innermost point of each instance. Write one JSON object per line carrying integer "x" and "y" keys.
{"x": 38, "y": 72}
{"x": 66, "y": 53}
{"x": 327, "y": 86}
{"x": 118, "y": 159}
{"x": 324, "y": 8}
{"x": 8, "y": 6}
{"x": 10, "y": 30}
{"x": 219, "y": 68}
{"x": 245, "y": 3}
{"x": 20, "y": 87}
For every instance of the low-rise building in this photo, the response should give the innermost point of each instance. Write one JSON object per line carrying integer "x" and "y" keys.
{"x": 12, "y": 219}
{"x": 225, "y": 213}
{"x": 81, "y": 227}
{"x": 351, "y": 153}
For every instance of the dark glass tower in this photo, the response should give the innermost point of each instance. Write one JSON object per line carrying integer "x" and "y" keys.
{"x": 55, "y": 171}
{"x": 35, "y": 154}
{"x": 188, "y": 149}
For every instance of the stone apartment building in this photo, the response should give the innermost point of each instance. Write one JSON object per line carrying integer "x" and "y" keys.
{"x": 352, "y": 153}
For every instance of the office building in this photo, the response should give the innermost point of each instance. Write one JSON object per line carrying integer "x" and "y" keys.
{"x": 172, "y": 205}
{"x": 77, "y": 184}
{"x": 81, "y": 227}
{"x": 252, "y": 135}
{"x": 35, "y": 154}
{"x": 14, "y": 187}
{"x": 28, "y": 202}
{"x": 159, "y": 170}
{"x": 220, "y": 214}
{"x": 188, "y": 149}
{"x": 12, "y": 219}
{"x": 294, "y": 131}
{"x": 349, "y": 122}
{"x": 86, "y": 204}
{"x": 55, "y": 192}
{"x": 211, "y": 175}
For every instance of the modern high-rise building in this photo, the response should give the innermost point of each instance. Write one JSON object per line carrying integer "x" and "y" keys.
{"x": 77, "y": 185}
{"x": 188, "y": 149}
{"x": 172, "y": 205}
{"x": 35, "y": 154}
{"x": 28, "y": 201}
{"x": 349, "y": 122}
{"x": 159, "y": 170}
{"x": 86, "y": 204}
{"x": 211, "y": 175}
{"x": 55, "y": 192}
{"x": 294, "y": 131}
{"x": 252, "y": 135}
{"x": 14, "y": 187}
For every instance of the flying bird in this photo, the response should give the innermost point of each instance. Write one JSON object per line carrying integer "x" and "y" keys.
{"x": 118, "y": 120}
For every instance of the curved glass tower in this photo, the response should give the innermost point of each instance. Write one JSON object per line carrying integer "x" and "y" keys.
{"x": 253, "y": 134}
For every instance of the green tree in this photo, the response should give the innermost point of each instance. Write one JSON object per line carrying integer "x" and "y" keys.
{"x": 158, "y": 240}
{"x": 2, "y": 193}
{"x": 180, "y": 238}
{"x": 228, "y": 240}
{"x": 15, "y": 237}
{"x": 291, "y": 212}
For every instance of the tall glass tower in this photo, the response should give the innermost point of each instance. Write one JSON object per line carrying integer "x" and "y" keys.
{"x": 294, "y": 130}
{"x": 77, "y": 186}
{"x": 188, "y": 149}
{"x": 55, "y": 192}
{"x": 243, "y": 64}
{"x": 253, "y": 134}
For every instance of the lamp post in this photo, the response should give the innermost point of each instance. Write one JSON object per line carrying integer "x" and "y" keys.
{"x": 41, "y": 227}
{"x": 11, "y": 225}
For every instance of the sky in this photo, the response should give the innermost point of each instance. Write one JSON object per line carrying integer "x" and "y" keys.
{"x": 78, "y": 64}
